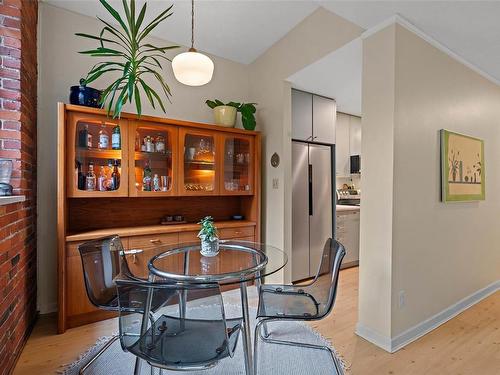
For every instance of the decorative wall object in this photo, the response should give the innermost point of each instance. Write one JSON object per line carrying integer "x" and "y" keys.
{"x": 462, "y": 168}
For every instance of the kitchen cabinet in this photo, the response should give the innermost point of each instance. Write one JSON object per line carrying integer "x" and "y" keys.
{"x": 237, "y": 161}
{"x": 313, "y": 117}
{"x": 302, "y": 120}
{"x": 324, "y": 111}
{"x": 355, "y": 135}
{"x": 348, "y": 142}
{"x": 347, "y": 233}
{"x": 342, "y": 164}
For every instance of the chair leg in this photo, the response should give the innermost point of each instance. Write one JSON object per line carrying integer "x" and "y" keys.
{"x": 98, "y": 354}
{"x": 268, "y": 340}
{"x": 137, "y": 367}
{"x": 256, "y": 345}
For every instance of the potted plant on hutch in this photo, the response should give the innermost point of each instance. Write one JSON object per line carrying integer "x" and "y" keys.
{"x": 209, "y": 237}
{"x": 133, "y": 58}
{"x": 225, "y": 114}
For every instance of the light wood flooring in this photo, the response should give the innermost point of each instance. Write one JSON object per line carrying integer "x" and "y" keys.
{"x": 466, "y": 345}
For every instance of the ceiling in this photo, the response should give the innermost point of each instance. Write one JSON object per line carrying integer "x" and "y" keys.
{"x": 241, "y": 30}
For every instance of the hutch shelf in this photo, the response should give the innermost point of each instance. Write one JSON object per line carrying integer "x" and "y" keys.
{"x": 123, "y": 176}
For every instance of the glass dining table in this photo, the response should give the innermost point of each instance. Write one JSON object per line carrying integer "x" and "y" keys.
{"x": 237, "y": 263}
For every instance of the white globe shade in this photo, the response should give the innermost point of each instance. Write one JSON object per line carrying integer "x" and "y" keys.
{"x": 193, "y": 68}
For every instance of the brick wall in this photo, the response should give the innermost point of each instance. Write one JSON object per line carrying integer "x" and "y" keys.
{"x": 18, "y": 94}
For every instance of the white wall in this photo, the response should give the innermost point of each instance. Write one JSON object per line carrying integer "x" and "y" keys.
{"x": 60, "y": 66}
{"x": 437, "y": 254}
{"x": 441, "y": 252}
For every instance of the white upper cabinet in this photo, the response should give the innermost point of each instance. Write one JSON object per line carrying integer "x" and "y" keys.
{"x": 324, "y": 111}
{"x": 313, "y": 117}
{"x": 342, "y": 165}
{"x": 355, "y": 136}
{"x": 302, "y": 121}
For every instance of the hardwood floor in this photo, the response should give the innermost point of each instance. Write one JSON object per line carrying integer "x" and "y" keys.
{"x": 466, "y": 345}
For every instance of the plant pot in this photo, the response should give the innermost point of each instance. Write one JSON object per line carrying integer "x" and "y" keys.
{"x": 209, "y": 248}
{"x": 83, "y": 95}
{"x": 225, "y": 115}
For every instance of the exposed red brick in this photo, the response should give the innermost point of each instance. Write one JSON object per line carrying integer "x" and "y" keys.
{"x": 18, "y": 74}
{"x": 12, "y": 42}
{"x": 11, "y": 84}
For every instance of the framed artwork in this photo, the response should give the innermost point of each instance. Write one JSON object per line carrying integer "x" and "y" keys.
{"x": 462, "y": 168}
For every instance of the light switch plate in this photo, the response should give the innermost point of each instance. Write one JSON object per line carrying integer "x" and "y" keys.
{"x": 275, "y": 183}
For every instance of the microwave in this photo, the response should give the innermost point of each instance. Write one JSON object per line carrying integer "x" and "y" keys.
{"x": 355, "y": 164}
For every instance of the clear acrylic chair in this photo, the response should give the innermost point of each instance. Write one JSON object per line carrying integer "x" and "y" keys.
{"x": 102, "y": 263}
{"x": 169, "y": 338}
{"x": 308, "y": 302}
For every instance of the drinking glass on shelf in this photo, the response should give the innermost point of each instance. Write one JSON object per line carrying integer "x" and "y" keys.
{"x": 165, "y": 183}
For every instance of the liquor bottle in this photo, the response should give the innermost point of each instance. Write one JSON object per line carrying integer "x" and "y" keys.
{"x": 116, "y": 140}
{"x": 160, "y": 143}
{"x": 103, "y": 138}
{"x": 90, "y": 179}
{"x": 109, "y": 179}
{"x": 83, "y": 136}
{"x": 156, "y": 183}
{"x": 80, "y": 176}
{"x": 147, "y": 180}
{"x": 115, "y": 176}
{"x": 101, "y": 180}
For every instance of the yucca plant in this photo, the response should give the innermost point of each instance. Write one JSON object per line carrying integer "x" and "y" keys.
{"x": 133, "y": 58}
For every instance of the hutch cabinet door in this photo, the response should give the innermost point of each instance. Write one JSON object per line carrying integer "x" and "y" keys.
{"x": 96, "y": 156}
{"x": 198, "y": 167}
{"x": 153, "y": 167}
{"x": 237, "y": 165}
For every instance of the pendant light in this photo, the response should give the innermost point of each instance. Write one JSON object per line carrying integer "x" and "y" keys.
{"x": 192, "y": 68}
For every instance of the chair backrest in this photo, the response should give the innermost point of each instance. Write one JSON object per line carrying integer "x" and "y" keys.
{"x": 102, "y": 262}
{"x": 326, "y": 280}
{"x": 151, "y": 314}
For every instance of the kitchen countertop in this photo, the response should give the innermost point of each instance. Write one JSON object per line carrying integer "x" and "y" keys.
{"x": 341, "y": 208}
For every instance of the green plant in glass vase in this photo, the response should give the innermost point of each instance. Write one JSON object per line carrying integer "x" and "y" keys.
{"x": 209, "y": 237}
{"x": 132, "y": 59}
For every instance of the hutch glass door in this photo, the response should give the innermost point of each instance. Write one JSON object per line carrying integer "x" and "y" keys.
{"x": 199, "y": 162}
{"x": 238, "y": 165}
{"x": 154, "y": 168}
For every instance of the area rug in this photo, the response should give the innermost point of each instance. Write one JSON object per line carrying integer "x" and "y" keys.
{"x": 273, "y": 359}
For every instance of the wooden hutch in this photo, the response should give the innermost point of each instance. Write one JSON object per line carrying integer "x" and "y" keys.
{"x": 196, "y": 169}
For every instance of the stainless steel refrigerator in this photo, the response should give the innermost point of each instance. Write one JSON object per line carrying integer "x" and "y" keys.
{"x": 312, "y": 205}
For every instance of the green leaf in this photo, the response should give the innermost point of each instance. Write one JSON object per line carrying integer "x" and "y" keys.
{"x": 211, "y": 104}
{"x": 233, "y": 104}
{"x": 138, "y": 100}
{"x": 161, "y": 17}
{"x": 142, "y": 13}
{"x": 218, "y": 102}
{"x": 115, "y": 15}
{"x": 99, "y": 73}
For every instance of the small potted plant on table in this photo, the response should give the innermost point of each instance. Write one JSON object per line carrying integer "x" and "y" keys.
{"x": 209, "y": 237}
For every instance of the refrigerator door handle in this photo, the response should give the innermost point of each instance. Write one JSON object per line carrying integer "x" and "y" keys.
{"x": 310, "y": 173}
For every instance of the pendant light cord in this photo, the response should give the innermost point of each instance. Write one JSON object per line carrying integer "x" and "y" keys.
{"x": 192, "y": 24}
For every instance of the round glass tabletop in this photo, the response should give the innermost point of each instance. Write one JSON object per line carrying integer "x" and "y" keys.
{"x": 237, "y": 261}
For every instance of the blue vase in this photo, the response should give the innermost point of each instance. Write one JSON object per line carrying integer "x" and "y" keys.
{"x": 83, "y": 95}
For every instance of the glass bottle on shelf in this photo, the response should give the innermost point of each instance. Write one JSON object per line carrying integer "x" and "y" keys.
{"x": 160, "y": 143}
{"x": 148, "y": 143}
{"x": 101, "y": 180}
{"x": 90, "y": 179}
{"x": 156, "y": 183}
{"x": 115, "y": 176}
{"x": 83, "y": 137}
{"x": 137, "y": 141}
{"x": 80, "y": 179}
{"x": 147, "y": 180}
{"x": 116, "y": 140}
{"x": 103, "y": 138}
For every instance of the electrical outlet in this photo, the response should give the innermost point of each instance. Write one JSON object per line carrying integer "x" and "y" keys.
{"x": 402, "y": 299}
{"x": 275, "y": 183}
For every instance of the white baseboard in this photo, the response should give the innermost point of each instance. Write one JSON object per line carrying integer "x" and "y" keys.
{"x": 374, "y": 337}
{"x": 394, "y": 344}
